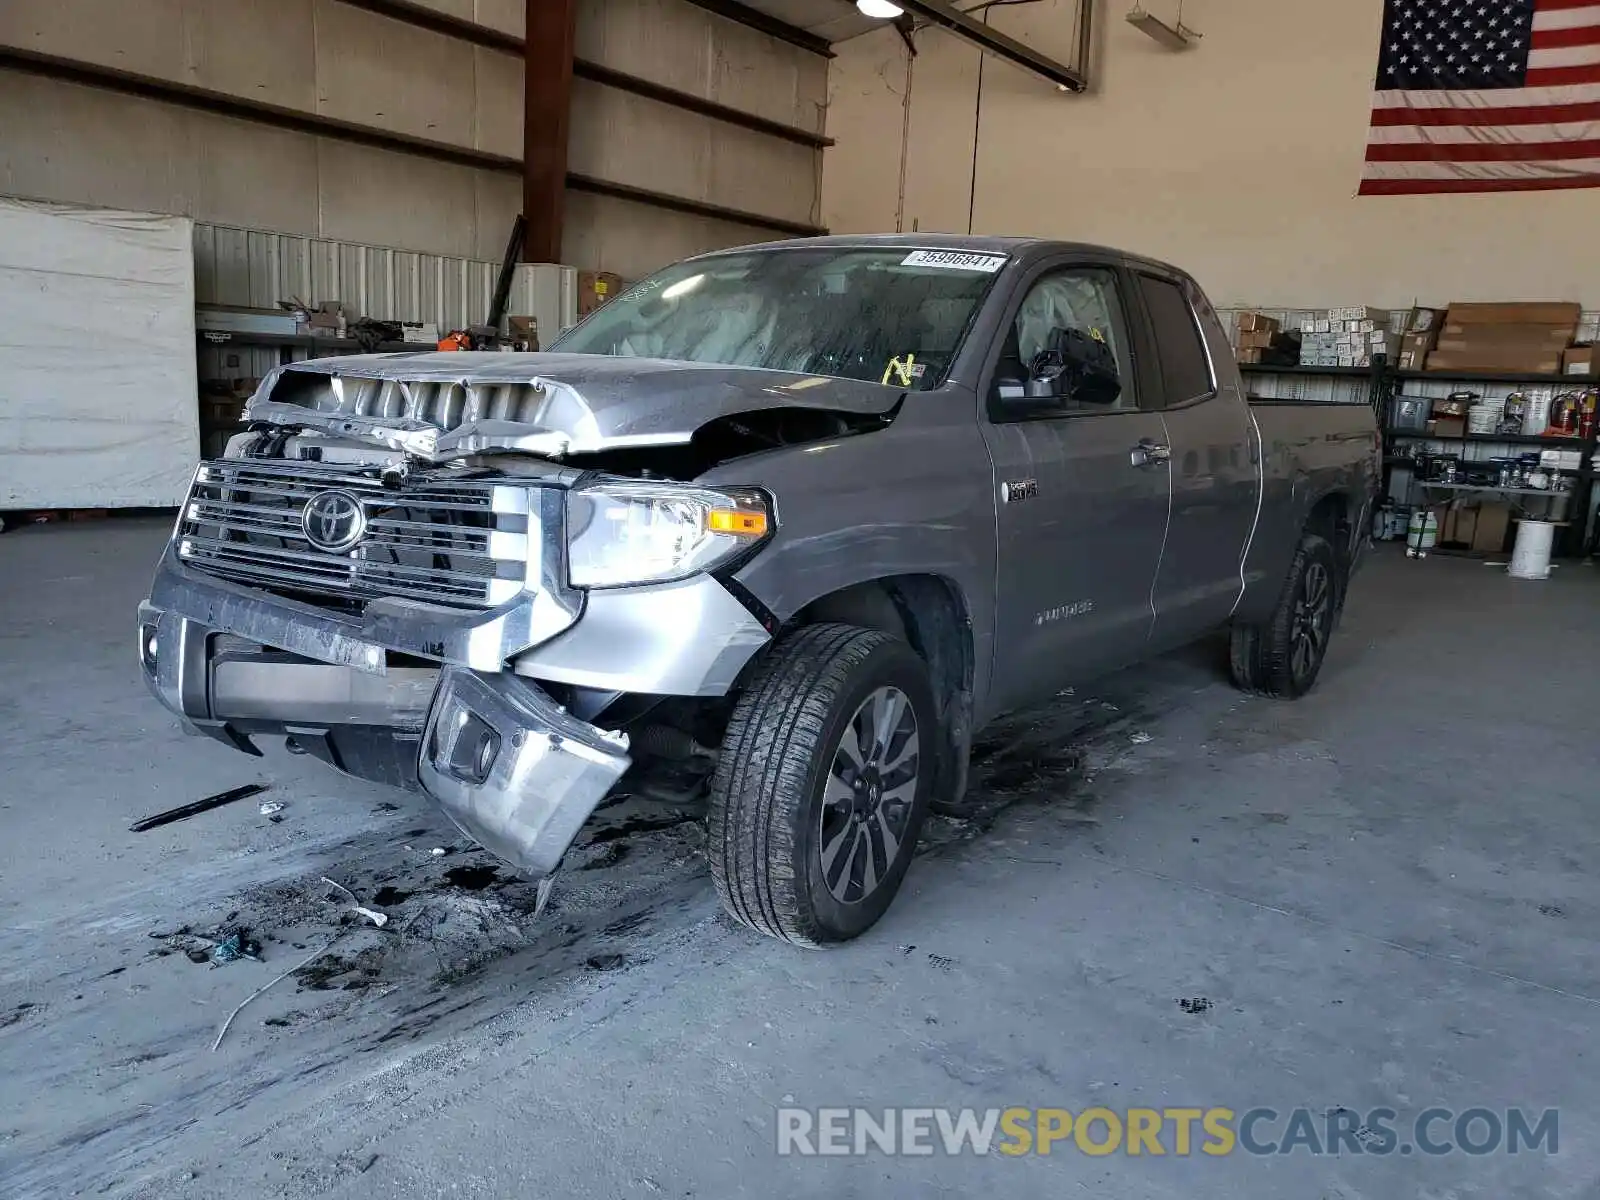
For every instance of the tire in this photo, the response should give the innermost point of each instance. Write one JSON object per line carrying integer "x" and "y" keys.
{"x": 1283, "y": 656}
{"x": 769, "y": 831}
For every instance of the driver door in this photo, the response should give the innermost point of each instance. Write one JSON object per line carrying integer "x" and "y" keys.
{"x": 1081, "y": 504}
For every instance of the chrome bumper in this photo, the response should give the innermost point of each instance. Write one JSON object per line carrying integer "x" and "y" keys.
{"x": 508, "y": 765}
{"x": 480, "y": 640}
{"x": 512, "y": 769}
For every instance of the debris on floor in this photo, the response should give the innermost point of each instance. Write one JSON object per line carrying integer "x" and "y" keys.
{"x": 1194, "y": 1004}
{"x": 223, "y": 945}
{"x": 271, "y": 807}
{"x": 388, "y": 920}
{"x": 235, "y": 946}
{"x": 377, "y": 918}
{"x": 184, "y": 811}
{"x": 310, "y": 958}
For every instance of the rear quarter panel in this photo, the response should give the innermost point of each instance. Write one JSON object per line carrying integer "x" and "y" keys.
{"x": 1310, "y": 450}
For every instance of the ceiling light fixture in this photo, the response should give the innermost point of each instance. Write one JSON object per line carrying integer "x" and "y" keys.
{"x": 1174, "y": 37}
{"x": 881, "y": 10}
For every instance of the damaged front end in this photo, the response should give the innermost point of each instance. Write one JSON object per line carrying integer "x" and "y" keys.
{"x": 387, "y": 661}
{"x": 410, "y": 568}
{"x": 439, "y": 408}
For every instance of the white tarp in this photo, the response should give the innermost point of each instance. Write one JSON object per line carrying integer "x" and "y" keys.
{"x": 98, "y": 401}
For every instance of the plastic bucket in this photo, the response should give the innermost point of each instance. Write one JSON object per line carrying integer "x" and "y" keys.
{"x": 1530, "y": 556}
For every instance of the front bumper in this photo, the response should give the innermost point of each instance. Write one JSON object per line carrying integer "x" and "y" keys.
{"x": 509, "y": 766}
{"x": 512, "y": 769}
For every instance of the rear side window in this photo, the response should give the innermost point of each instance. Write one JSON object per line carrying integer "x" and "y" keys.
{"x": 1185, "y": 371}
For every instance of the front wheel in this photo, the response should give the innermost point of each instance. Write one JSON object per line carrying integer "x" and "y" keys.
{"x": 1283, "y": 656}
{"x": 822, "y": 784}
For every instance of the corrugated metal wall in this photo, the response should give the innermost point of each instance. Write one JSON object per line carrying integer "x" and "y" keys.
{"x": 253, "y": 269}
{"x": 333, "y": 60}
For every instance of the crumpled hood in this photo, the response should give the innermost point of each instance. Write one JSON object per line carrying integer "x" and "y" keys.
{"x": 447, "y": 405}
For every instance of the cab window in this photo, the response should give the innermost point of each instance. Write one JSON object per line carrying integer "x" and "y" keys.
{"x": 1072, "y": 311}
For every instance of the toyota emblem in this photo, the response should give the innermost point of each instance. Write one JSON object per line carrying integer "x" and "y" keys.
{"x": 333, "y": 521}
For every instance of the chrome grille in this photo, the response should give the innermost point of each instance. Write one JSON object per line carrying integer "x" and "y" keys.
{"x": 455, "y": 543}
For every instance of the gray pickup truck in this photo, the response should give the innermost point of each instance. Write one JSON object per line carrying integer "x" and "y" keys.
{"x": 777, "y": 529}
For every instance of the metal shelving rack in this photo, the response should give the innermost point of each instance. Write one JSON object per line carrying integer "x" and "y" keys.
{"x": 1380, "y": 378}
{"x": 285, "y": 343}
{"x": 1578, "y": 497}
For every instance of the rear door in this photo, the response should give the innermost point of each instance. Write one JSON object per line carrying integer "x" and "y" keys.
{"x": 1081, "y": 511}
{"x": 1215, "y": 465}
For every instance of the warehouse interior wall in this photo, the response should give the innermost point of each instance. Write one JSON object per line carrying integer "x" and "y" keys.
{"x": 79, "y": 143}
{"x": 1238, "y": 159}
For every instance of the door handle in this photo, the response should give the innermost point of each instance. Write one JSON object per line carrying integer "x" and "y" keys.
{"x": 1149, "y": 453}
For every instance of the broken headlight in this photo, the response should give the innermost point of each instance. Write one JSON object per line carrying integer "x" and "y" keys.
{"x": 624, "y": 532}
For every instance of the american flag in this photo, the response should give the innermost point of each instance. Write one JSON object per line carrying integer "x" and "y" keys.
{"x": 1485, "y": 96}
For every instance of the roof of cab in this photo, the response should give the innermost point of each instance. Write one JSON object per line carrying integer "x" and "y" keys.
{"x": 1019, "y": 247}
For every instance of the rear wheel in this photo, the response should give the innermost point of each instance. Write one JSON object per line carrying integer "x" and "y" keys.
{"x": 822, "y": 784}
{"x": 1283, "y": 656}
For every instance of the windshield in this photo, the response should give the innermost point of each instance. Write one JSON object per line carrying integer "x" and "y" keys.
{"x": 894, "y": 316}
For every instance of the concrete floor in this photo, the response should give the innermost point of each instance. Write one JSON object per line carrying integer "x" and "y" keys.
{"x": 1384, "y": 895}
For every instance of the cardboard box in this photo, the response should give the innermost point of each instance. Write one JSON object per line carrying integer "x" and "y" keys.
{"x": 1249, "y": 354}
{"x": 1386, "y": 344}
{"x": 597, "y": 287}
{"x": 1359, "y": 312}
{"x": 1489, "y": 531}
{"x": 1561, "y": 460}
{"x": 1455, "y": 336}
{"x": 426, "y": 332}
{"x": 1424, "y": 320}
{"x": 1459, "y": 524}
{"x": 1252, "y": 322}
{"x": 1418, "y": 344}
{"x": 1582, "y": 361}
{"x": 1551, "y": 313}
{"x": 1495, "y": 363}
{"x": 1447, "y": 426}
{"x": 1255, "y": 339}
{"x": 523, "y": 332}
{"x": 326, "y": 320}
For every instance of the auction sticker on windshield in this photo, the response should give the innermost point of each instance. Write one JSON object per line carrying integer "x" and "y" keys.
{"x": 955, "y": 260}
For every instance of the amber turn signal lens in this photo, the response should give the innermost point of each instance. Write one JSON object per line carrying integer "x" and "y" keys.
{"x": 741, "y": 521}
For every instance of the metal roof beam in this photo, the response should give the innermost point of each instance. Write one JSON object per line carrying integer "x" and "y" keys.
{"x": 769, "y": 25}
{"x": 992, "y": 41}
